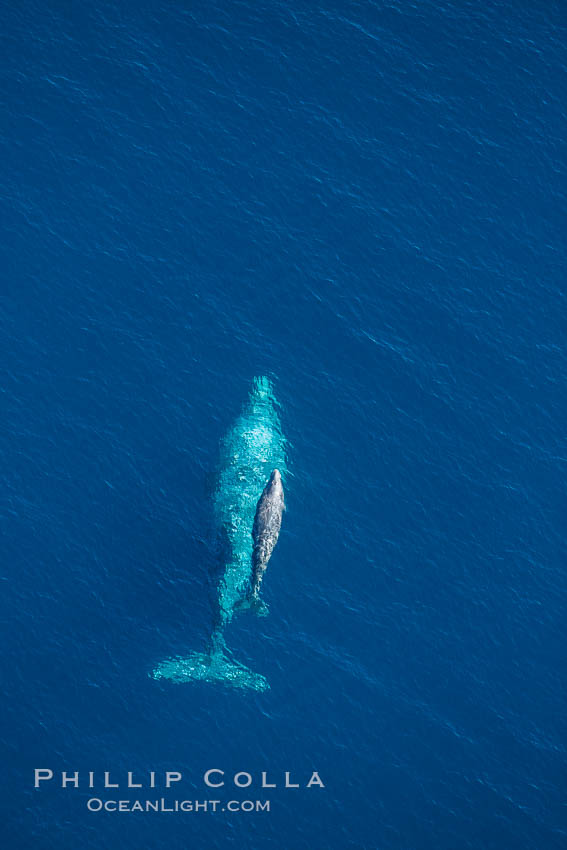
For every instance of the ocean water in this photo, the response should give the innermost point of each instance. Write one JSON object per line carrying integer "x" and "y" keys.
{"x": 364, "y": 203}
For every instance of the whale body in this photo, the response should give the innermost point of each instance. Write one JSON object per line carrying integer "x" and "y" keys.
{"x": 266, "y": 529}
{"x": 253, "y": 446}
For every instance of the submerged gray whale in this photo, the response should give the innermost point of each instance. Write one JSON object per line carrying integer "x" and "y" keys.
{"x": 253, "y": 446}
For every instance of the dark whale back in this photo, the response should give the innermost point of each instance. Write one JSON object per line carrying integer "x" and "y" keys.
{"x": 267, "y": 525}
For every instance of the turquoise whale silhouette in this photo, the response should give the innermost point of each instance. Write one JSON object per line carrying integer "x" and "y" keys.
{"x": 253, "y": 447}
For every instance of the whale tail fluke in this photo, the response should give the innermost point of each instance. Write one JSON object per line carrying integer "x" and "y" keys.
{"x": 255, "y": 604}
{"x": 213, "y": 666}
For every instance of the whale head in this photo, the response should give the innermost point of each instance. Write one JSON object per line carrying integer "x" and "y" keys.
{"x": 274, "y": 487}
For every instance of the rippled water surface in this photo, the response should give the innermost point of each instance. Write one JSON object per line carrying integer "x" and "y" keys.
{"x": 363, "y": 202}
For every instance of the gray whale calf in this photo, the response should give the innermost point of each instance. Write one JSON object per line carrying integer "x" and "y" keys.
{"x": 266, "y": 530}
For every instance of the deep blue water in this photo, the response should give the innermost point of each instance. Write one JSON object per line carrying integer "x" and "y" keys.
{"x": 364, "y": 202}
